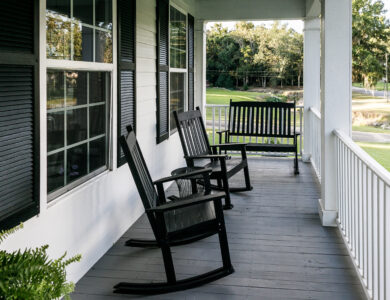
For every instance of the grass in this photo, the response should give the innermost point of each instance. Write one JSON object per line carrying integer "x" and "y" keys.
{"x": 358, "y": 96}
{"x": 223, "y": 96}
{"x": 370, "y": 129}
{"x": 380, "y": 86}
{"x": 379, "y": 151}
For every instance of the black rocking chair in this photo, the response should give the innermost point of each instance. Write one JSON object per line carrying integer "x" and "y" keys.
{"x": 181, "y": 221}
{"x": 196, "y": 146}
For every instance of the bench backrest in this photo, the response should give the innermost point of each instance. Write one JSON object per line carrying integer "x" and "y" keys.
{"x": 262, "y": 119}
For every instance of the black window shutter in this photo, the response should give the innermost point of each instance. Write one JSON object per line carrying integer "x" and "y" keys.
{"x": 19, "y": 111}
{"x": 162, "y": 70}
{"x": 191, "y": 78}
{"x": 126, "y": 70}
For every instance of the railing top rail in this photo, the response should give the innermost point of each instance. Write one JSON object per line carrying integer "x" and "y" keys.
{"x": 217, "y": 105}
{"x": 315, "y": 112}
{"x": 227, "y": 105}
{"x": 371, "y": 163}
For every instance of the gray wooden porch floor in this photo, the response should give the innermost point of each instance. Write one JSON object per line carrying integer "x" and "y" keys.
{"x": 279, "y": 249}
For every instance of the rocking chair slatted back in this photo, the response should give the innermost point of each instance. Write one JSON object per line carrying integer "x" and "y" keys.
{"x": 193, "y": 133}
{"x": 139, "y": 170}
{"x": 249, "y": 118}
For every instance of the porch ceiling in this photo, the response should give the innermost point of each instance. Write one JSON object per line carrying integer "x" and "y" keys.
{"x": 252, "y": 10}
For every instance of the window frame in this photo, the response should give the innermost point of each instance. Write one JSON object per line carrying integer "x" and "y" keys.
{"x": 71, "y": 185}
{"x": 48, "y": 64}
{"x": 177, "y": 70}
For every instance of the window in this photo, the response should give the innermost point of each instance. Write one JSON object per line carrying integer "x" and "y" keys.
{"x": 79, "y": 30}
{"x": 77, "y": 105}
{"x": 177, "y": 62}
{"x": 77, "y": 100}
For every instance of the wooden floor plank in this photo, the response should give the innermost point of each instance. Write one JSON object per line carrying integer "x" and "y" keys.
{"x": 278, "y": 247}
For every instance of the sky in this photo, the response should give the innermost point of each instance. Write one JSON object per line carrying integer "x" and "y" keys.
{"x": 297, "y": 25}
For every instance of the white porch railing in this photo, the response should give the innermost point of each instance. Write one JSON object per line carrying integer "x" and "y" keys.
{"x": 315, "y": 140}
{"x": 363, "y": 192}
{"x": 217, "y": 117}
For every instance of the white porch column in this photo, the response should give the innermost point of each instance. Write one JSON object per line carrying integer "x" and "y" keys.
{"x": 200, "y": 65}
{"x": 311, "y": 78}
{"x": 336, "y": 70}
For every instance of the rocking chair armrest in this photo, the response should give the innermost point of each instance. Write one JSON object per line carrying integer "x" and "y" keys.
{"x": 185, "y": 203}
{"x": 181, "y": 176}
{"x": 211, "y": 156}
{"x": 230, "y": 146}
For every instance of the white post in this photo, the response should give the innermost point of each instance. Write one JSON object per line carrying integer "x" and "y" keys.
{"x": 311, "y": 79}
{"x": 336, "y": 73}
{"x": 200, "y": 65}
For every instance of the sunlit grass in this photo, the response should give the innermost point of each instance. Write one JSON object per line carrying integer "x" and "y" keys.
{"x": 379, "y": 151}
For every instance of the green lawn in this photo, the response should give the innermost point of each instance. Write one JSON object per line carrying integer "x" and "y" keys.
{"x": 358, "y": 96}
{"x": 380, "y": 86}
{"x": 370, "y": 129}
{"x": 380, "y": 152}
{"x": 223, "y": 96}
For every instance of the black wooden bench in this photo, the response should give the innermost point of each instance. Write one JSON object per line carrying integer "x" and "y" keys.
{"x": 263, "y": 120}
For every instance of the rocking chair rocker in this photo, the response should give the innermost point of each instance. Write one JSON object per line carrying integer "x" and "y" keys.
{"x": 174, "y": 223}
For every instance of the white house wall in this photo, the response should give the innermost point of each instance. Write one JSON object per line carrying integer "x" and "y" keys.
{"x": 91, "y": 217}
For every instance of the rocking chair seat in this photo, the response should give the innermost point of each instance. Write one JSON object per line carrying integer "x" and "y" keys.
{"x": 186, "y": 217}
{"x": 231, "y": 165}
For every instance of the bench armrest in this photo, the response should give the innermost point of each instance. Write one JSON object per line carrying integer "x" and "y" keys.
{"x": 181, "y": 176}
{"x": 185, "y": 203}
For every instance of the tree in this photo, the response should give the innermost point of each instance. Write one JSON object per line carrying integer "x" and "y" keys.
{"x": 251, "y": 54}
{"x": 370, "y": 35}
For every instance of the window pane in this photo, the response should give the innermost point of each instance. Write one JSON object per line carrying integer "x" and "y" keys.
{"x": 55, "y": 89}
{"x": 55, "y": 171}
{"x": 177, "y": 95}
{"x": 104, "y": 13}
{"x": 103, "y": 46}
{"x": 97, "y": 154}
{"x": 83, "y": 11}
{"x": 63, "y": 31}
{"x": 178, "y": 40}
{"x": 73, "y": 126}
{"x": 58, "y": 37}
{"x": 61, "y": 7}
{"x": 83, "y": 43}
{"x": 97, "y": 120}
{"x": 76, "y": 125}
{"x": 97, "y": 87}
{"x": 76, "y": 88}
{"x": 77, "y": 163}
{"x": 55, "y": 130}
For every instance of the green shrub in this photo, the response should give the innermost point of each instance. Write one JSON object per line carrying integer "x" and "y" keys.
{"x": 276, "y": 99}
{"x": 245, "y": 87}
{"x": 30, "y": 274}
{"x": 225, "y": 80}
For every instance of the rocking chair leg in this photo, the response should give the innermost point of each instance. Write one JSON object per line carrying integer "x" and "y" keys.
{"x": 296, "y": 167}
{"x": 228, "y": 203}
{"x": 223, "y": 241}
{"x": 168, "y": 263}
{"x": 247, "y": 179}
